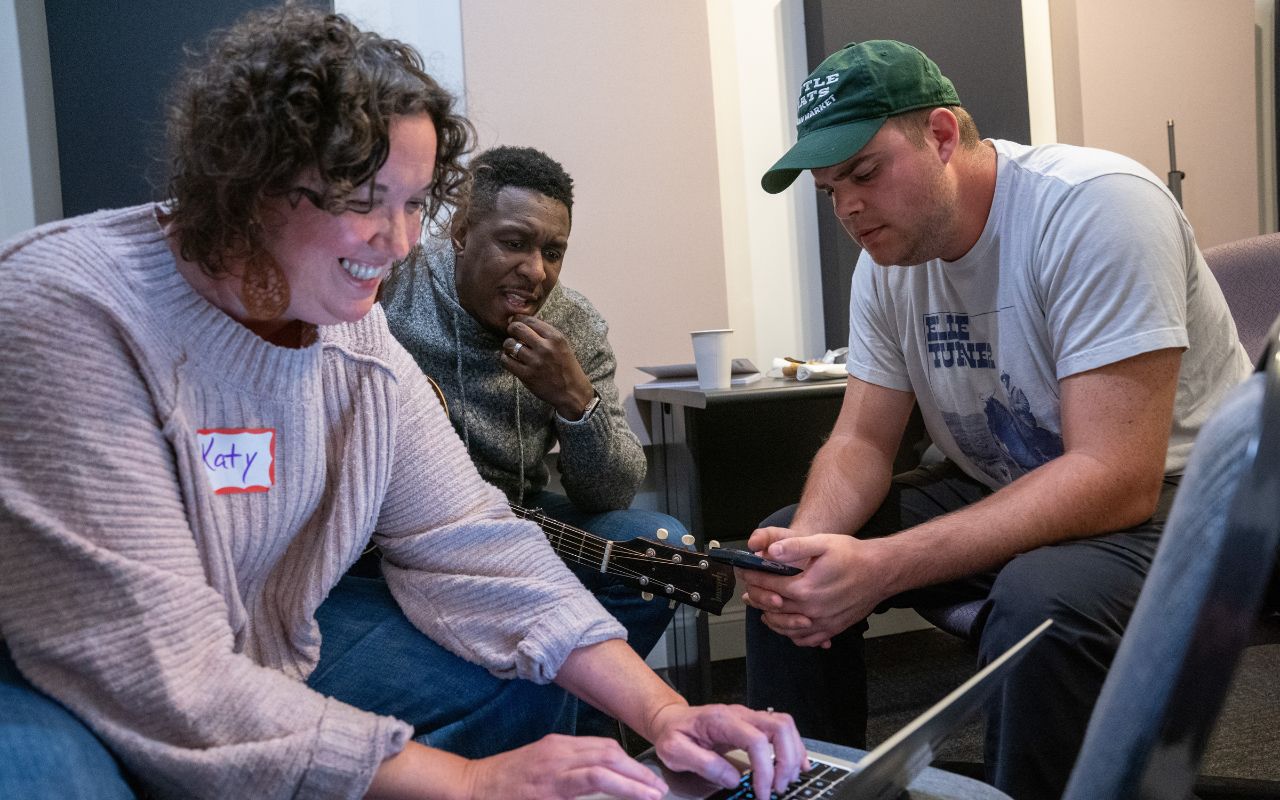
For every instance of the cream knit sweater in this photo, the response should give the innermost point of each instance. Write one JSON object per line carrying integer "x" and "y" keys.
{"x": 164, "y": 592}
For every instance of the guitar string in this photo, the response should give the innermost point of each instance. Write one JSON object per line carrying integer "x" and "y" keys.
{"x": 589, "y": 542}
{"x": 615, "y": 568}
{"x": 591, "y": 553}
{"x": 596, "y": 549}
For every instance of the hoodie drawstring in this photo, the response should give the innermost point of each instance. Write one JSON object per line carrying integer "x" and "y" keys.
{"x": 462, "y": 389}
{"x": 515, "y": 386}
{"x": 462, "y": 385}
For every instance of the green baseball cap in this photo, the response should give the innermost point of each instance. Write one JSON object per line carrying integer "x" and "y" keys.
{"x": 849, "y": 96}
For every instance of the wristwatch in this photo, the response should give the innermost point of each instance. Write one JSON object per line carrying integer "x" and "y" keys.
{"x": 586, "y": 412}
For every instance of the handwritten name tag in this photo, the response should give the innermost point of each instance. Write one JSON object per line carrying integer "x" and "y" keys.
{"x": 238, "y": 459}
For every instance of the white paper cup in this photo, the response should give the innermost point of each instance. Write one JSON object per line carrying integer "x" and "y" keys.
{"x": 711, "y": 356}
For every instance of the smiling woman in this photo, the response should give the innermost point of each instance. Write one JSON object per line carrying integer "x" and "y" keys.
{"x": 287, "y": 181}
{"x": 332, "y": 262}
{"x": 205, "y": 416}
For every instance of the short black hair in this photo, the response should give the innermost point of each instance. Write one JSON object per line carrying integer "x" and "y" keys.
{"x": 520, "y": 167}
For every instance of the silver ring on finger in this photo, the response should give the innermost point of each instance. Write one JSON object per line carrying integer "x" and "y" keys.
{"x": 515, "y": 349}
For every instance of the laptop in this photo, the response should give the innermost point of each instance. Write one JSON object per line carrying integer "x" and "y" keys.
{"x": 882, "y": 774}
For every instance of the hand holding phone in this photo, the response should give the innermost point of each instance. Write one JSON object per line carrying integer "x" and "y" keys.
{"x": 748, "y": 560}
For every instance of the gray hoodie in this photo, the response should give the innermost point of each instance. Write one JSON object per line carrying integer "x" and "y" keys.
{"x": 507, "y": 430}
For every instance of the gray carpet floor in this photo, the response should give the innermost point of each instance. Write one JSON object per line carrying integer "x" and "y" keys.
{"x": 908, "y": 672}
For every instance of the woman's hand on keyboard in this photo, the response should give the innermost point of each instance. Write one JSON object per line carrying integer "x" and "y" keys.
{"x": 691, "y": 739}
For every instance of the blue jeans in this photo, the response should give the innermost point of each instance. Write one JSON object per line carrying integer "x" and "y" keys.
{"x": 371, "y": 657}
{"x": 645, "y": 620}
{"x": 45, "y": 752}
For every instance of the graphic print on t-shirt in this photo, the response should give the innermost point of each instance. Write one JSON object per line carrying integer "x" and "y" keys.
{"x": 991, "y": 419}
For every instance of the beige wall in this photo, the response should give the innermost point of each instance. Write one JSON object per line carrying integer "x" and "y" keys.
{"x": 1122, "y": 69}
{"x": 620, "y": 93}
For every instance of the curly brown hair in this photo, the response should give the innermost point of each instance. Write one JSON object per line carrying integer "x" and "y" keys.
{"x": 284, "y": 91}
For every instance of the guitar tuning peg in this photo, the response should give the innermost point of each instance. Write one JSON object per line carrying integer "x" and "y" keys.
{"x": 713, "y": 544}
{"x": 647, "y": 596}
{"x": 687, "y": 540}
{"x": 662, "y": 534}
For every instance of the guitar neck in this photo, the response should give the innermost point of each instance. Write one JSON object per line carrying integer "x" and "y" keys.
{"x": 572, "y": 544}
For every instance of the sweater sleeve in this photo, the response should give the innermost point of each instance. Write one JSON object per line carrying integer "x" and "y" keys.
{"x": 464, "y": 569}
{"x": 601, "y": 462}
{"x": 104, "y": 602}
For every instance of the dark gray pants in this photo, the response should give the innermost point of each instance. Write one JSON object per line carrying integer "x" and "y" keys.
{"x": 1037, "y": 722}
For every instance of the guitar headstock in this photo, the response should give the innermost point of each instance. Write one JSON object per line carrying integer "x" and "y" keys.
{"x": 655, "y": 568}
{"x": 674, "y": 573}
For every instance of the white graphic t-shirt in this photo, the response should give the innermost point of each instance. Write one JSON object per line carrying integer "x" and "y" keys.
{"x": 1085, "y": 260}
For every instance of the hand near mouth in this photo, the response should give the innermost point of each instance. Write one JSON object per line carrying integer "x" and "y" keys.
{"x": 539, "y": 355}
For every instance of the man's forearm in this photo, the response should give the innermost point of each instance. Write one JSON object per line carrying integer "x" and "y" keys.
{"x": 1070, "y": 497}
{"x": 846, "y": 484}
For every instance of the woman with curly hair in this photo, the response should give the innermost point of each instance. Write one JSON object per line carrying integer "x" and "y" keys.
{"x": 206, "y": 420}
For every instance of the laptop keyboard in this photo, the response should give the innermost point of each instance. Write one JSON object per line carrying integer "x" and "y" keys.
{"x": 818, "y": 781}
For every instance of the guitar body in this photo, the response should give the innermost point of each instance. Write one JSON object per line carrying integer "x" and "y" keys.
{"x": 673, "y": 573}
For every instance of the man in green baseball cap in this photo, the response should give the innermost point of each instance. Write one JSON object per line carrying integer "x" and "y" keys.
{"x": 1048, "y": 311}
{"x": 850, "y": 96}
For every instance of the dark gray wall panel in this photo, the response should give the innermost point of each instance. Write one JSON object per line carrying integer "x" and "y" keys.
{"x": 112, "y": 63}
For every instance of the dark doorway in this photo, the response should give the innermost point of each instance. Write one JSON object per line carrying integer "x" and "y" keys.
{"x": 977, "y": 44}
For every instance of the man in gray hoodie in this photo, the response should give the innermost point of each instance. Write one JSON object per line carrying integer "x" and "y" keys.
{"x": 524, "y": 362}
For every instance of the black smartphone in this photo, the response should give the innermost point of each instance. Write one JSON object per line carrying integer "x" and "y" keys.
{"x": 748, "y": 560}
